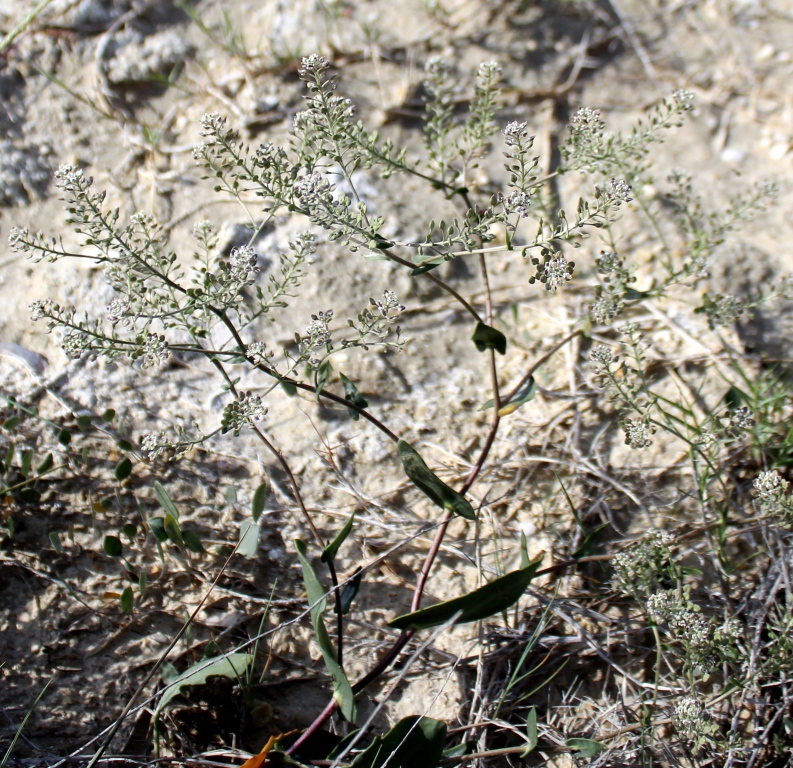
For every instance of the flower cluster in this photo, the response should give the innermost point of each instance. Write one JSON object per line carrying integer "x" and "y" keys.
{"x": 722, "y": 310}
{"x": 616, "y": 191}
{"x": 243, "y": 265}
{"x": 704, "y": 644}
{"x": 515, "y": 134}
{"x": 119, "y": 311}
{"x": 258, "y": 353}
{"x": 771, "y": 492}
{"x": 151, "y": 350}
{"x": 637, "y": 432}
{"x": 318, "y": 337}
{"x": 242, "y": 412}
{"x": 375, "y": 323}
{"x": 156, "y": 445}
{"x": 518, "y": 202}
{"x": 683, "y": 99}
{"x": 741, "y": 418}
{"x": 644, "y": 562}
{"x": 693, "y": 722}
{"x": 586, "y": 129}
{"x": 553, "y": 271}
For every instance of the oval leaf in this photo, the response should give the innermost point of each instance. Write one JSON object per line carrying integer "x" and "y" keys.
{"x": 127, "y": 600}
{"x": 257, "y": 505}
{"x": 157, "y": 525}
{"x": 585, "y": 747}
{"x": 487, "y": 337}
{"x": 249, "y": 539}
{"x": 479, "y": 604}
{"x": 427, "y": 481}
{"x": 123, "y": 469}
{"x": 113, "y": 546}
{"x": 193, "y": 542}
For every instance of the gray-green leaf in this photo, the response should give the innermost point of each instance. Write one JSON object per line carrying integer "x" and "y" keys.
{"x": 531, "y": 732}
{"x": 257, "y": 505}
{"x": 249, "y": 539}
{"x": 428, "y": 482}
{"x": 342, "y": 690}
{"x": 165, "y": 500}
{"x": 329, "y": 553}
{"x": 486, "y": 601}
{"x": 585, "y": 747}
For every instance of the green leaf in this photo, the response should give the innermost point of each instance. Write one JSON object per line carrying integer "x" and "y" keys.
{"x": 30, "y": 495}
{"x": 487, "y": 337}
{"x": 349, "y": 591}
{"x": 45, "y": 465}
{"x": 486, "y": 601}
{"x": 108, "y": 415}
{"x": 193, "y": 542}
{"x": 249, "y": 539}
{"x": 523, "y": 395}
{"x": 524, "y": 551}
{"x": 428, "y": 482}
{"x": 171, "y": 526}
{"x": 329, "y": 553}
{"x": 460, "y": 750}
{"x": 257, "y": 505}
{"x": 127, "y": 600}
{"x": 289, "y": 388}
{"x": 55, "y": 540}
{"x": 531, "y": 732}
{"x": 113, "y": 546}
{"x": 588, "y": 544}
{"x": 414, "y": 742}
{"x": 735, "y": 397}
{"x": 342, "y": 690}
{"x": 124, "y": 445}
{"x": 130, "y": 530}
{"x": 165, "y": 500}
{"x": 352, "y": 395}
{"x": 426, "y": 267}
{"x": 83, "y": 423}
{"x": 157, "y": 526}
{"x": 231, "y": 494}
{"x": 26, "y": 465}
{"x": 585, "y": 747}
{"x": 11, "y": 423}
{"x": 123, "y": 469}
{"x": 322, "y": 375}
{"x": 234, "y": 666}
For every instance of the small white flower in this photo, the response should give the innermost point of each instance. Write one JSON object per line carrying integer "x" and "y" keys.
{"x": 312, "y": 66}
{"x": 243, "y": 265}
{"x": 156, "y": 445}
{"x": 617, "y": 191}
{"x": 638, "y": 433}
{"x": 152, "y": 350}
{"x": 518, "y": 202}
{"x": 683, "y": 99}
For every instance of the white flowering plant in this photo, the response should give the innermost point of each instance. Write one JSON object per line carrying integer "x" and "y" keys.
{"x": 169, "y": 307}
